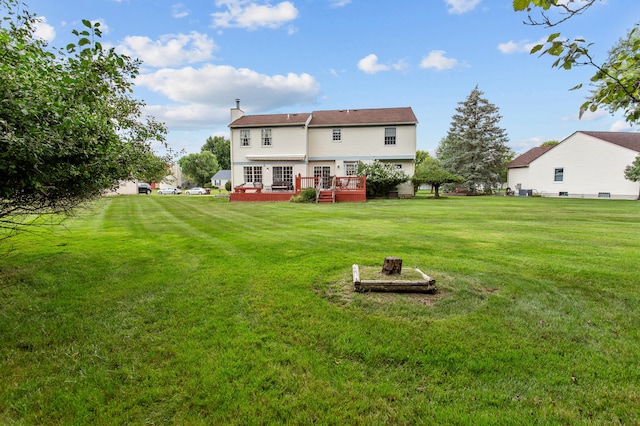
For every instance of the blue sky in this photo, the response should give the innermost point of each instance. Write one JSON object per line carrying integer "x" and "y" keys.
{"x": 305, "y": 55}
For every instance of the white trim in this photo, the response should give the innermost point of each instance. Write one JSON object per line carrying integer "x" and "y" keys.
{"x": 276, "y": 157}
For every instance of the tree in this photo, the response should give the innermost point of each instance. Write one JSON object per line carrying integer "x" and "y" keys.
{"x": 69, "y": 129}
{"x": 421, "y": 156}
{"x": 221, "y": 148}
{"x": 475, "y": 147}
{"x": 632, "y": 172}
{"x": 430, "y": 171}
{"x": 549, "y": 143}
{"x": 616, "y": 80}
{"x": 199, "y": 167}
{"x": 155, "y": 169}
{"x": 381, "y": 177}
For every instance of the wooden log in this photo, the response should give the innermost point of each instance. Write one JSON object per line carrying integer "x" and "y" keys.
{"x": 425, "y": 276}
{"x": 356, "y": 276}
{"x": 392, "y": 266}
{"x": 399, "y": 286}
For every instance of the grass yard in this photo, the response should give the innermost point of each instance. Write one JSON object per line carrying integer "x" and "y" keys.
{"x": 193, "y": 310}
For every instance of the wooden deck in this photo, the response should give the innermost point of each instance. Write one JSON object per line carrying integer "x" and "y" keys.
{"x": 345, "y": 189}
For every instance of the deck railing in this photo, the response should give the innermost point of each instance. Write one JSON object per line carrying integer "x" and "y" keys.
{"x": 339, "y": 183}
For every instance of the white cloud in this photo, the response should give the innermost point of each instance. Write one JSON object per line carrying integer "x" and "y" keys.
{"x": 523, "y": 46}
{"x": 461, "y": 6}
{"x": 370, "y": 65}
{"x": 43, "y": 30}
{"x": 436, "y": 59}
{"x": 171, "y": 49}
{"x": 525, "y": 145}
{"x": 179, "y": 11}
{"x": 204, "y": 95}
{"x": 251, "y": 15}
{"x": 339, "y": 3}
{"x": 401, "y": 65}
{"x": 587, "y": 116}
{"x": 104, "y": 28}
{"x": 621, "y": 126}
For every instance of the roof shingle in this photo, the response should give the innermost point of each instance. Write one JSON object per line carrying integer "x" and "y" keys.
{"x": 346, "y": 117}
{"x": 630, "y": 140}
{"x": 525, "y": 159}
{"x": 351, "y": 117}
{"x": 271, "y": 120}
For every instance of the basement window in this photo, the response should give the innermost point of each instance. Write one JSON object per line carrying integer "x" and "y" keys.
{"x": 604, "y": 195}
{"x": 563, "y": 194}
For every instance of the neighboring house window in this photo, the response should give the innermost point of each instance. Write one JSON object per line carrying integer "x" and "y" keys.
{"x": 390, "y": 136}
{"x": 245, "y": 137}
{"x": 558, "y": 174}
{"x": 337, "y": 135}
{"x": 283, "y": 174}
{"x": 398, "y": 166}
{"x": 350, "y": 168}
{"x": 253, "y": 174}
{"x": 266, "y": 137}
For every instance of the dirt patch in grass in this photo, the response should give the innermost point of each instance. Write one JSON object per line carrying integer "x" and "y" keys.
{"x": 342, "y": 292}
{"x": 375, "y": 273}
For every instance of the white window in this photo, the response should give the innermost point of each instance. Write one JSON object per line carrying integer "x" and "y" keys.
{"x": 350, "y": 168}
{"x": 253, "y": 174}
{"x": 558, "y": 174}
{"x": 390, "y": 136}
{"x": 337, "y": 135}
{"x": 283, "y": 174}
{"x": 266, "y": 137}
{"x": 245, "y": 137}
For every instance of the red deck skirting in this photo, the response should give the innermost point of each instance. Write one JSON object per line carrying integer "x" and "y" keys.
{"x": 262, "y": 196}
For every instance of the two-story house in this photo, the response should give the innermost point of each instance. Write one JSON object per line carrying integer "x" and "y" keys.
{"x": 275, "y": 148}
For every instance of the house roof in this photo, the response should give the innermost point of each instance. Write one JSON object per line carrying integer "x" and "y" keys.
{"x": 271, "y": 120}
{"x": 355, "y": 117}
{"x": 222, "y": 175}
{"x": 630, "y": 140}
{"x": 525, "y": 159}
{"x": 345, "y": 117}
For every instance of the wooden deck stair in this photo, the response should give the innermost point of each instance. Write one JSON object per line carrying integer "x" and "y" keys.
{"x": 326, "y": 196}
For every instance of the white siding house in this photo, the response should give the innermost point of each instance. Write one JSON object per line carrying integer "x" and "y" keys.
{"x": 584, "y": 165}
{"x": 221, "y": 178}
{"x": 277, "y": 147}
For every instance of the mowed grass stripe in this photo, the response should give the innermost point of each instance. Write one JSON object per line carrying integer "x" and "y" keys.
{"x": 195, "y": 310}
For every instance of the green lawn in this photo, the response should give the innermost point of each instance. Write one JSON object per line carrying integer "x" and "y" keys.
{"x": 193, "y": 310}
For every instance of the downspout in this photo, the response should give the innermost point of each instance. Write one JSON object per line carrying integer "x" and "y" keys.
{"x": 306, "y": 144}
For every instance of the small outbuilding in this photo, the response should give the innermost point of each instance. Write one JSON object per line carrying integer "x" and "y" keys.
{"x": 221, "y": 178}
{"x": 583, "y": 165}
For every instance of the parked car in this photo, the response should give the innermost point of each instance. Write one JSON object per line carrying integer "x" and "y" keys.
{"x": 196, "y": 191}
{"x": 144, "y": 188}
{"x": 169, "y": 191}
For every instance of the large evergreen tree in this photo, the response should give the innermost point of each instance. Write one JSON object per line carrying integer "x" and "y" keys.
{"x": 475, "y": 146}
